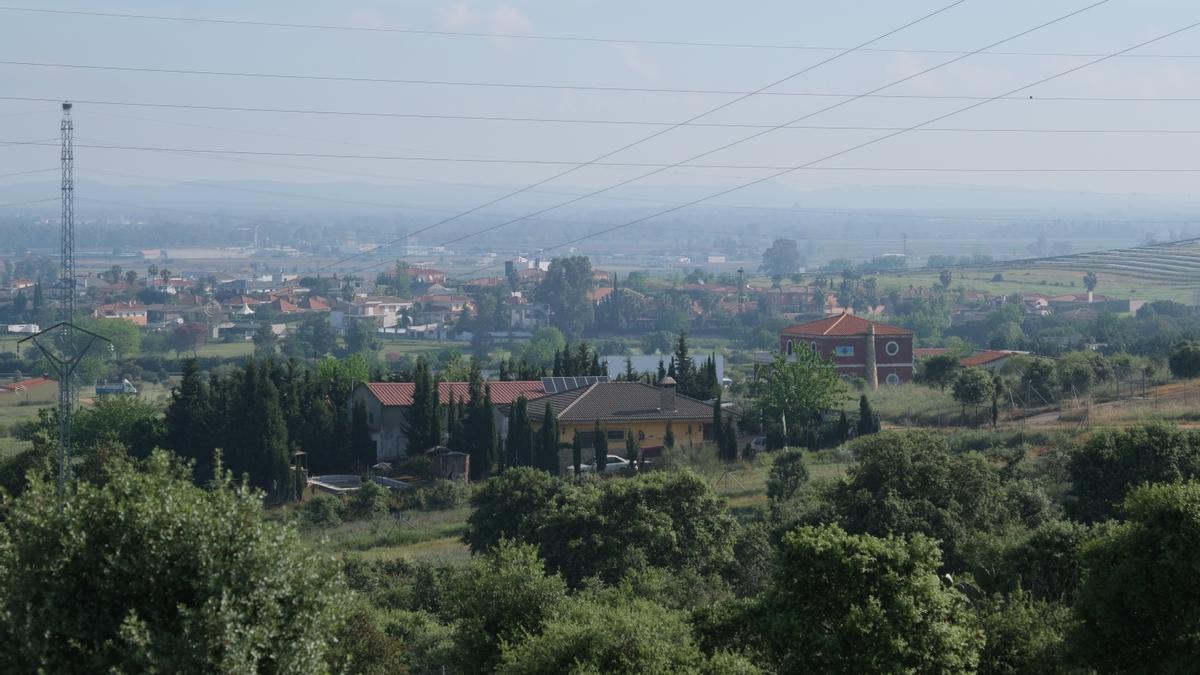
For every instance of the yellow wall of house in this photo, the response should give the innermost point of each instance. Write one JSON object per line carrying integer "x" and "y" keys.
{"x": 654, "y": 431}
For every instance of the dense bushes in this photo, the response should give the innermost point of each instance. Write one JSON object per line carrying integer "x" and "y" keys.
{"x": 606, "y": 528}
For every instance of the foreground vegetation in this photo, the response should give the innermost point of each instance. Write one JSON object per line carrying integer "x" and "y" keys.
{"x": 901, "y": 552}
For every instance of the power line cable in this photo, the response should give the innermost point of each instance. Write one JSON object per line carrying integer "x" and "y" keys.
{"x": 659, "y": 166}
{"x": 661, "y": 132}
{"x": 579, "y": 121}
{"x": 880, "y": 139}
{"x": 794, "y": 121}
{"x": 554, "y": 38}
{"x": 31, "y": 201}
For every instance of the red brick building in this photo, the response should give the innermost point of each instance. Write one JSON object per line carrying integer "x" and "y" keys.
{"x": 876, "y": 352}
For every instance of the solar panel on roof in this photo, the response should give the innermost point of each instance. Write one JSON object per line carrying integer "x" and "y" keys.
{"x": 557, "y": 385}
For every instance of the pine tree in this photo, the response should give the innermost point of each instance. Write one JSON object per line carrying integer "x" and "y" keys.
{"x": 600, "y": 448}
{"x": 866, "y": 417}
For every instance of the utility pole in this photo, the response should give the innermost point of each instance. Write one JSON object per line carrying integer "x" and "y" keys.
{"x": 66, "y": 356}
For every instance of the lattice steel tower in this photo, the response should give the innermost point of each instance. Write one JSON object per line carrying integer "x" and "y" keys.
{"x": 67, "y": 271}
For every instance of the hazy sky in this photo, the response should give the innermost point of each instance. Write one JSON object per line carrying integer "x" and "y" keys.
{"x": 89, "y": 40}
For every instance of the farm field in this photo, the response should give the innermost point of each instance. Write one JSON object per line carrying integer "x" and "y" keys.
{"x": 1160, "y": 272}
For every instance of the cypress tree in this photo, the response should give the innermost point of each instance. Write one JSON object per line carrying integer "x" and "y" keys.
{"x": 662, "y": 372}
{"x": 669, "y": 437}
{"x": 866, "y": 417}
{"x": 843, "y": 428}
{"x": 717, "y": 435}
{"x": 361, "y": 445}
{"x": 259, "y": 445}
{"x": 729, "y": 441}
{"x": 479, "y": 428}
{"x": 434, "y": 439}
{"x": 631, "y": 447}
{"x": 600, "y": 448}
{"x": 519, "y": 444}
{"x": 547, "y": 443}
{"x": 419, "y": 414}
{"x": 630, "y": 373}
{"x": 188, "y": 419}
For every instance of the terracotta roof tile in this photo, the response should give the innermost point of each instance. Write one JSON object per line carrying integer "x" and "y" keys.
{"x": 842, "y": 325}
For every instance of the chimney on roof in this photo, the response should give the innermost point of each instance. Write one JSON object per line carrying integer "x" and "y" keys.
{"x": 666, "y": 389}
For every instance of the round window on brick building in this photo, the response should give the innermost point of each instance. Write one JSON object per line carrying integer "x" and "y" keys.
{"x": 892, "y": 348}
{"x": 893, "y": 379}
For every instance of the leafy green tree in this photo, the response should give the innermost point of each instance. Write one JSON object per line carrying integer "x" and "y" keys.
{"x": 265, "y": 341}
{"x": 369, "y": 501}
{"x": 512, "y": 505}
{"x": 134, "y": 423}
{"x": 799, "y": 388}
{"x": 499, "y": 598}
{"x": 566, "y": 288}
{"x": 191, "y": 580}
{"x": 626, "y": 635}
{"x": 1184, "y": 360}
{"x": 1078, "y": 371}
{"x": 782, "y": 258}
{"x": 543, "y": 346}
{"x": 939, "y": 371}
{"x": 788, "y": 474}
{"x": 911, "y": 483}
{"x": 859, "y": 604}
{"x": 945, "y": 279}
{"x": 1038, "y": 383}
{"x": 1023, "y": 635}
{"x": 971, "y": 388}
{"x": 362, "y": 337}
{"x": 1106, "y": 467}
{"x": 681, "y": 525}
{"x": 313, "y": 337}
{"x": 1090, "y": 281}
{"x": 1138, "y": 607}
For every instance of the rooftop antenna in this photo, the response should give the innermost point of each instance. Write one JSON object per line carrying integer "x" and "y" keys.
{"x": 66, "y": 356}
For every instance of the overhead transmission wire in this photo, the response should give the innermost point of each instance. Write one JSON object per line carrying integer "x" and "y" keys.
{"x": 658, "y": 166}
{"x": 575, "y": 121}
{"x": 547, "y": 37}
{"x": 859, "y": 146}
{"x": 794, "y": 121}
{"x": 645, "y": 139}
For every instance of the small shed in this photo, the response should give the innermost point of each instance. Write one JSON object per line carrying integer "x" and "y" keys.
{"x": 449, "y": 464}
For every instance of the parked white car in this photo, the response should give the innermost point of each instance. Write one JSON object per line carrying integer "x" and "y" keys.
{"x": 615, "y": 464}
